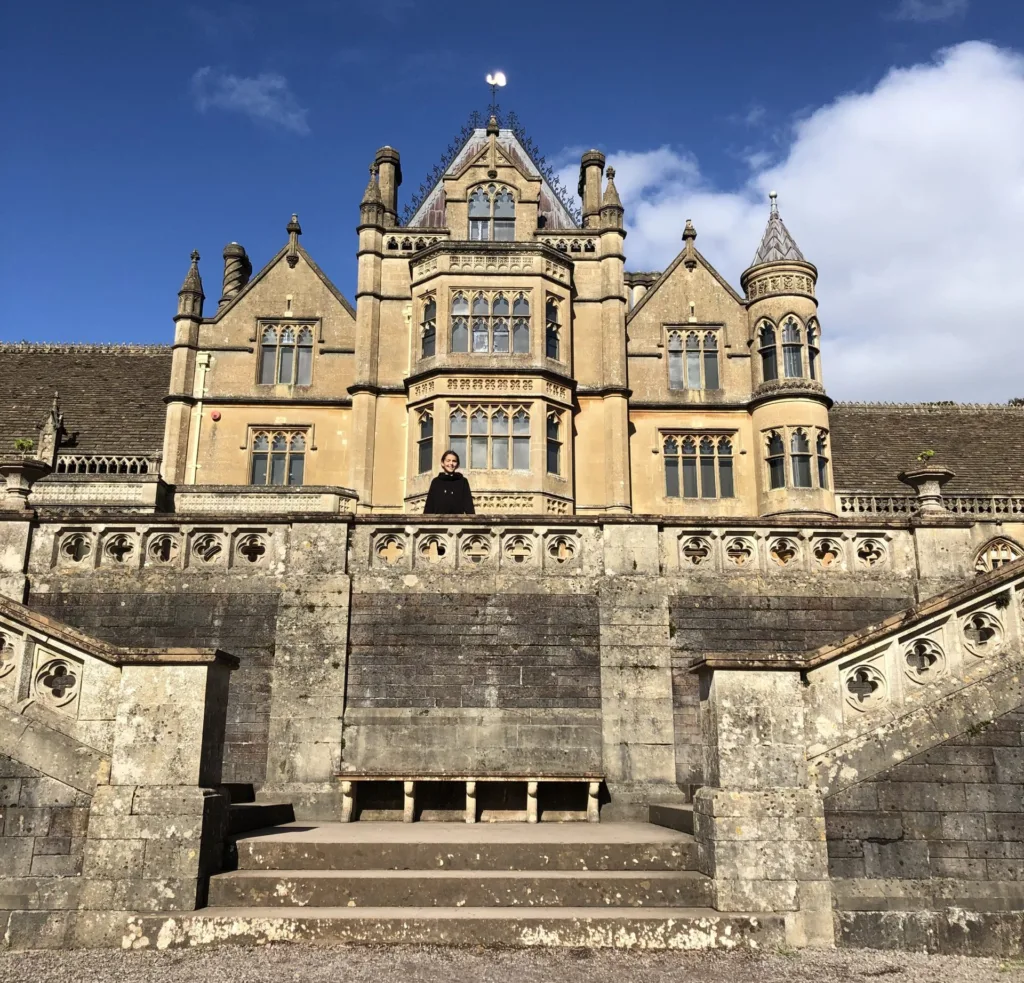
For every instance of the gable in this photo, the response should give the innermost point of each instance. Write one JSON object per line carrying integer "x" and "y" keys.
{"x": 429, "y": 211}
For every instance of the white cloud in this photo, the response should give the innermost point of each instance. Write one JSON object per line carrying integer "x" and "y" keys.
{"x": 929, "y": 11}
{"x": 265, "y": 98}
{"x": 909, "y": 198}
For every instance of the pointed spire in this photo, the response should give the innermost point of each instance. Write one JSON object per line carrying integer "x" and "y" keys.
{"x": 611, "y": 194}
{"x": 193, "y": 281}
{"x": 777, "y": 245}
{"x": 294, "y": 230}
{"x": 371, "y": 196}
{"x": 191, "y": 296}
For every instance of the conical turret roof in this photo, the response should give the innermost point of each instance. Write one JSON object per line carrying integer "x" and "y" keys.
{"x": 193, "y": 282}
{"x": 777, "y": 245}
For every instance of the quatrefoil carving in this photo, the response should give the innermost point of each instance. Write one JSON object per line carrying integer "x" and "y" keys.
{"x": 865, "y": 687}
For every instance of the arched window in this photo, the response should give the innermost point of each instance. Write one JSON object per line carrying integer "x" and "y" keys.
{"x": 821, "y": 447}
{"x": 277, "y": 458}
{"x": 426, "y": 442}
{"x": 800, "y": 451}
{"x": 769, "y": 356}
{"x": 726, "y": 488}
{"x": 554, "y": 447}
{"x": 286, "y": 356}
{"x": 689, "y": 467}
{"x": 521, "y": 325}
{"x": 670, "y": 449}
{"x": 499, "y": 323}
{"x": 708, "y": 485}
{"x": 460, "y": 323}
{"x": 304, "y": 367}
{"x": 458, "y": 428}
{"x": 521, "y": 441}
{"x": 711, "y": 360}
{"x": 675, "y": 361}
{"x": 776, "y": 461}
{"x": 492, "y": 215}
{"x": 551, "y": 329}
{"x": 995, "y": 554}
{"x": 268, "y": 357}
{"x": 429, "y": 328}
{"x": 792, "y": 350}
{"x": 812, "y": 349}
{"x": 481, "y": 324}
{"x": 478, "y": 439}
{"x": 499, "y": 440}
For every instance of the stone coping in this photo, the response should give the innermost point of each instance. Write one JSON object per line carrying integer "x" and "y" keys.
{"x": 285, "y": 490}
{"x": 55, "y": 478}
{"x": 982, "y": 584}
{"x": 115, "y": 655}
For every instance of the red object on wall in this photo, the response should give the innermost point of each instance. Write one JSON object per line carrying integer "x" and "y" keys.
{"x": 215, "y": 415}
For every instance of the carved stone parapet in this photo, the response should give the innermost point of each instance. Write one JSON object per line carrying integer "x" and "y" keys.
{"x": 788, "y": 387}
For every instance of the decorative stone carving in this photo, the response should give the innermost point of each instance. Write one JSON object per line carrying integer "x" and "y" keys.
{"x": 865, "y": 687}
{"x": 75, "y": 548}
{"x": 475, "y": 548}
{"x": 983, "y": 633}
{"x": 389, "y": 549}
{"x": 251, "y": 547}
{"x": 561, "y": 549}
{"x": 432, "y": 549}
{"x": 996, "y": 553}
{"x": 784, "y": 551}
{"x": 57, "y": 682}
{"x": 924, "y": 660}
{"x": 871, "y": 552}
{"x": 207, "y": 547}
{"x": 828, "y": 552}
{"x": 7, "y": 653}
{"x": 163, "y": 548}
{"x": 694, "y": 551}
{"x": 740, "y": 551}
{"x": 118, "y": 548}
{"x": 517, "y": 549}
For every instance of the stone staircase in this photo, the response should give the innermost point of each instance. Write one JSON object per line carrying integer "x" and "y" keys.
{"x": 631, "y": 885}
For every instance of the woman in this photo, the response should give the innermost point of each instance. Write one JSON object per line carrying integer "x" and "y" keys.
{"x": 449, "y": 492}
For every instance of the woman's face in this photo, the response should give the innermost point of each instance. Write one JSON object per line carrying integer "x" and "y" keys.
{"x": 449, "y": 463}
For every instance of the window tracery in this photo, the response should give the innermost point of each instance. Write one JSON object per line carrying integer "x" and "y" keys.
{"x": 698, "y": 466}
{"x": 491, "y": 324}
{"x": 492, "y": 214}
{"x": 428, "y": 329}
{"x": 995, "y": 554}
{"x": 554, "y": 443}
{"x": 426, "y": 442}
{"x": 552, "y": 329}
{"x": 693, "y": 360}
{"x": 491, "y": 437}
{"x": 286, "y": 355}
{"x": 791, "y": 461}
{"x": 278, "y": 457}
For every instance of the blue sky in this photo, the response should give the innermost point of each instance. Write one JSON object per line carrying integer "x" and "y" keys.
{"x": 139, "y": 131}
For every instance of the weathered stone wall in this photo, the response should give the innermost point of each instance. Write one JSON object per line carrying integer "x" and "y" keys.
{"x": 955, "y": 811}
{"x": 240, "y": 623}
{"x": 43, "y": 823}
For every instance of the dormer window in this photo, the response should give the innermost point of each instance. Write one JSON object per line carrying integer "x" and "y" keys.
{"x": 492, "y": 215}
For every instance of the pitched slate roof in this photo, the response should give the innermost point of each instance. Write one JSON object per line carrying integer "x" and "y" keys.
{"x": 873, "y": 442}
{"x": 777, "y": 245}
{"x": 111, "y": 396}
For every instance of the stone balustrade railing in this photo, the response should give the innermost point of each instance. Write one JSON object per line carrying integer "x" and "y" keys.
{"x": 981, "y": 507}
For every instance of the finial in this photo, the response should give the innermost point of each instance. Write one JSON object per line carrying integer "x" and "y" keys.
{"x": 611, "y": 173}
{"x": 492, "y": 125}
{"x": 195, "y": 257}
{"x": 294, "y": 230}
{"x": 689, "y": 234}
{"x": 774, "y": 197}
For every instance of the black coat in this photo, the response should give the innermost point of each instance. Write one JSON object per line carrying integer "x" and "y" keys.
{"x": 449, "y": 495}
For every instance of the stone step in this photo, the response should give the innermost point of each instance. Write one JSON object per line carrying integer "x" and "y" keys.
{"x": 672, "y": 816}
{"x": 248, "y": 816}
{"x": 460, "y": 888}
{"x": 646, "y": 928}
{"x": 461, "y": 846}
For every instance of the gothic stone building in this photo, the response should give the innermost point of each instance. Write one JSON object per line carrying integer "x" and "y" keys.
{"x": 696, "y": 590}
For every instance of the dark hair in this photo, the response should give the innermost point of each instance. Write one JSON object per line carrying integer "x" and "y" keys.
{"x": 458, "y": 460}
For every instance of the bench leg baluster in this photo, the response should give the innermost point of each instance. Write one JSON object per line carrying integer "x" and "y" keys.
{"x": 470, "y": 802}
{"x": 531, "y": 802}
{"x": 593, "y": 812}
{"x": 409, "y": 813}
{"x": 348, "y": 801}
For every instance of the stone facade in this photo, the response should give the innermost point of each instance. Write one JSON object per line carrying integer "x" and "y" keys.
{"x": 690, "y": 574}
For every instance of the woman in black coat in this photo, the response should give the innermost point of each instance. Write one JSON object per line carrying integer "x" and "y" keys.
{"x": 449, "y": 492}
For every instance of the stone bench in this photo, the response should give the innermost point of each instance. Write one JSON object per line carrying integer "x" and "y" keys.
{"x": 350, "y": 780}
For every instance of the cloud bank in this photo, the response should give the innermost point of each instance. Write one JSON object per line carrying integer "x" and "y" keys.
{"x": 265, "y": 98}
{"x": 909, "y": 198}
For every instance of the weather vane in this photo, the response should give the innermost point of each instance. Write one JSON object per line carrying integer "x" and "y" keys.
{"x": 496, "y": 81}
